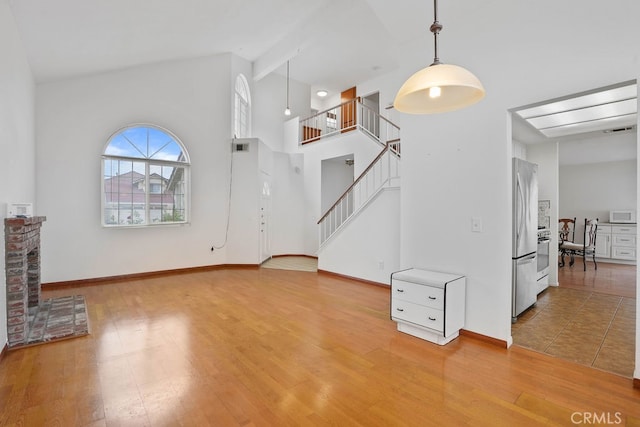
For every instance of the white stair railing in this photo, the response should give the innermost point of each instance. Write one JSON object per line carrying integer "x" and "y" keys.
{"x": 384, "y": 171}
{"x": 346, "y": 117}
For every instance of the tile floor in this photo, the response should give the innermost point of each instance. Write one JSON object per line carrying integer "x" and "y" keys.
{"x": 587, "y": 327}
{"x": 298, "y": 263}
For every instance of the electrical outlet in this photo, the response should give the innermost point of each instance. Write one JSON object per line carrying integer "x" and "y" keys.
{"x": 381, "y": 265}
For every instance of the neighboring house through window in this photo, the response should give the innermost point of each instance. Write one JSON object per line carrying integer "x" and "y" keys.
{"x": 242, "y": 119}
{"x": 145, "y": 172}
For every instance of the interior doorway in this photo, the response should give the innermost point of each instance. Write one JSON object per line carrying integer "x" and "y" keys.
{"x": 578, "y": 161}
{"x": 371, "y": 113}
{"x": 337, "y": 174}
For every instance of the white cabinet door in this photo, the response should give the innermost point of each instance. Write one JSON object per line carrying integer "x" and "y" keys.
{"x": 603, "y": 245}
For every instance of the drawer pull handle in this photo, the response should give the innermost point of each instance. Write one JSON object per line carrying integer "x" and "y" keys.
{"x": 433, "y": 319}
{"x": 432, "y": 298}
{"x": 400, "y": 309}
{"x": 400, "y": 290}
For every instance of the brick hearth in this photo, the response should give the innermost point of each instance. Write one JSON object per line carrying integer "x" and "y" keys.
{"x": 22, "y": 266}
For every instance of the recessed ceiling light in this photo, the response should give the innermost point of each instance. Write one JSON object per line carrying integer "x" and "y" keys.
{"x": 322, "y": 93}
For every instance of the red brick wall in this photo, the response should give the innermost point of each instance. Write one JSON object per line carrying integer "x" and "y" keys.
{"x": 22, "y": 266}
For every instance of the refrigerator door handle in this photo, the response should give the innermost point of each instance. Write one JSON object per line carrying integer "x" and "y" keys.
{"x": 521, "y": 213}
{"x": 527, "y": 258}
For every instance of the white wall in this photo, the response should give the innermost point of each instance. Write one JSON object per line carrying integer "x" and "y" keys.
{"x": 599, "y": 148}
{"x": 268, "y": 107}
{"x": 284, "y": 213}
{"x": 336, "y": 177}
{"x": 356, "y": 251}
{"x": 243, "y": 246}
{"x": 592, "y": 190}
{"x": 545, "y": 155}
{"x": 636, "y": 373}
{"x": 288, "y": 208}
{"x": 17, "y": 142}
{"x": 74, "y": 120}
{"x": 457, "y": 165}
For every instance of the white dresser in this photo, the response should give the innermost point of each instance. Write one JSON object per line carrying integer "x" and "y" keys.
{"x": 616, "y": 241}
{"x": 428, "y": 304}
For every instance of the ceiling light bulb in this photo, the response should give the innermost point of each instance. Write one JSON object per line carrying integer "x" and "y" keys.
{"x": 435, "y": 91}
{"x": 287, "y": 112}
{"x": 322, "y": 93}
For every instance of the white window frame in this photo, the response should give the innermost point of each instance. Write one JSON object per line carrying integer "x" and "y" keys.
{"x": 148, "y": 164}
{"x": 242, "y": 108}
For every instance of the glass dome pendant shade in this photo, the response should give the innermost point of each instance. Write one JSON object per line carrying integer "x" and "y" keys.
{"x": 439, "y": 87}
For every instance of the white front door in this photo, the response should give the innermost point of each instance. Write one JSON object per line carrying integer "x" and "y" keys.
{"x": 265, "y": 214}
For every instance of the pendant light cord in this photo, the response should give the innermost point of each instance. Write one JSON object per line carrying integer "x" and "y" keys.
{"x": 287, "y": 84}
{"x": 435, "y": 29}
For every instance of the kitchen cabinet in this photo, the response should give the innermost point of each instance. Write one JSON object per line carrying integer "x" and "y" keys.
{"x": 603, "y": 241}
{"x": 623, "y": 242}
{"x": 616, "y": 242}
{"x": 427, "y": 304}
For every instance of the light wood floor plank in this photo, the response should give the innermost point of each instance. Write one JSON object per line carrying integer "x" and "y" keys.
{"x": 261, "y": 347}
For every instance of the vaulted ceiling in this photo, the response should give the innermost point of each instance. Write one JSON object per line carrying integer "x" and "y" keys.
{"x": 331, "y": 43}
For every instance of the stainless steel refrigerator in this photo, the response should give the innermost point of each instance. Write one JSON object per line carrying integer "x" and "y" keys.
{"x": 524, "y": 236}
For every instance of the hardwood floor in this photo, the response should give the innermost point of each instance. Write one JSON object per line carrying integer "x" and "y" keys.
{"x": 609, "y": 278}
{"x": 268, "y": 347}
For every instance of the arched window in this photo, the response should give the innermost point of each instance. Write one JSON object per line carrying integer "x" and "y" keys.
{"x": 242, "y": 119}
{"x": 145, "y": 178}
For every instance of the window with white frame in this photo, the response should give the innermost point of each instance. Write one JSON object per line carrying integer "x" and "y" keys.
{"x": 242, "y": 119}
{"x": 145, "y": 178}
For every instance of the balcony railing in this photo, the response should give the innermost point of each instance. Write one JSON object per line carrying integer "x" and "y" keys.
{"x": 346, "y": 117}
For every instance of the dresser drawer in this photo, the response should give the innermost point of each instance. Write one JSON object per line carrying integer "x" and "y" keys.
{"x": 622, "y": 229}
{"x": 604, "y": 229}
{"x": 623, "y": 253}
{"x": 418, "y": 314}
{"x": 418, "y": 294}
{"x": 626, "y": 240}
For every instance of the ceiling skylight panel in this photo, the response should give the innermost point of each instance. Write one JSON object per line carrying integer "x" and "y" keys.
{"x": 588, "y": 100}
{"x": 597, "y": 112}
{"x": 592, "y": 126}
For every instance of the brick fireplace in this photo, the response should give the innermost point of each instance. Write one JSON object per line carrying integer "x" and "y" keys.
{"x": 22, "y": 266}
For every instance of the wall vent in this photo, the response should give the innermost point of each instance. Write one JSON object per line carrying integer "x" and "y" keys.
{"x": 624, "y": 129}
{"x": 240, "y": 147}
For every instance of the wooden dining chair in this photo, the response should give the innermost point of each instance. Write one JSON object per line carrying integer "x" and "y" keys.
{"x": 567, "y": 234}
{"x": 584, "y": 249}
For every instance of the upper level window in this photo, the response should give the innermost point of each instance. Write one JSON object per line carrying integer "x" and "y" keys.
{"x": 242, "y": 119}
{"x": 145, "y": 177}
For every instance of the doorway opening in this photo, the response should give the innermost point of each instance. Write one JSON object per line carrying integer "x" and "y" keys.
{"x": 587, "y": 167}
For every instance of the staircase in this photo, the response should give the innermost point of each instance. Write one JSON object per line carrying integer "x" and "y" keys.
{"x": 383, "y": 172}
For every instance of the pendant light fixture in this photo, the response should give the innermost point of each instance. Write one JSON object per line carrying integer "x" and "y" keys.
{"x": 439, "y": 87}
{"x": 287, "y": 111}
